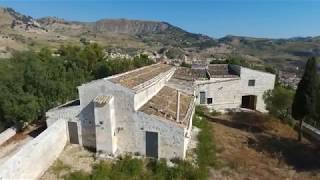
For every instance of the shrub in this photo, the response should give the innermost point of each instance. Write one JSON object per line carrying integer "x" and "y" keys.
{"x": 278, "y": 102}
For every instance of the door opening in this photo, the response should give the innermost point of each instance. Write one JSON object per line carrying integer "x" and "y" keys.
{"x": 73, "y": 132}
{"x": 249, "y": 102}
{"x": 202, "y": 97}
{"x": 152, "y": 144}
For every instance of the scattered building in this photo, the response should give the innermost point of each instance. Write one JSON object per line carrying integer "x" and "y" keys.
{"x": 149, "y": 111}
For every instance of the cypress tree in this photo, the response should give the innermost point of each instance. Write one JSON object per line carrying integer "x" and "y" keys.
{"x": 304, "y": 103}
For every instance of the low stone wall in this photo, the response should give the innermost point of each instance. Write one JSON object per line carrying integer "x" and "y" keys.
{"x": 38, "y": 155}
{"x": 68, "y": 113}
{"x": 312, "y": 131}
{"x": 7, "y": 134}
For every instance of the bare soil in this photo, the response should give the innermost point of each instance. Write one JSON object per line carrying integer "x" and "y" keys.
{"x": 73, "y": 158}
{"x": 255, "y": 146}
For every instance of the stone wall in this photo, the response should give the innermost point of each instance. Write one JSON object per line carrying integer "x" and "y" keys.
{"x": 263, "y": 82}
{"x": 33, "y": 159}
{"x": 144, "y": 94}
{"x": 7, "y": 134}
{"x": 225, "y": 93}
{"x": 128, "y": 134}
{"x": 312, "y": 131}
{"x": 105, "y": 127}
{"x": 171, "y": 136}
{"x": 123, "y": 105}
{"x": 68, "y": 113}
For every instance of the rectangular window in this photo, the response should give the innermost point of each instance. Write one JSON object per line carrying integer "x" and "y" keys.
{"x": 251, "y": 82}
{"x": 202, "y": 97}
{"x": 209, "y": 100}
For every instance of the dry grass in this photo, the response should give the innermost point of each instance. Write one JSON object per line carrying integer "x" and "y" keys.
{"x": 255, "y": 146}
{"x": 73, "y": 158}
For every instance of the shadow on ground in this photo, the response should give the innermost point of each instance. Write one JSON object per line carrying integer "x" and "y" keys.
{"x": 302, "y": 156}
{"x": 40, "y": 128}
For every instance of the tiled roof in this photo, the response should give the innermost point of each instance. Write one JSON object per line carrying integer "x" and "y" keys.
{"x": 102, "y": 99}
{"x": 140, "y": 76}
{"x": 164, "y": 104}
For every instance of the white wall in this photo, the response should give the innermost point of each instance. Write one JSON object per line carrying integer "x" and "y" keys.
{"x": 7, "y": 134}
{"x": 38, "y": 155}
{"x": 171, "y": 136}
{"x": 126, "y": 102}
{"x": 263, "y": 82}
{"x": 131, "y": 125}
{"x": 68, "y": 113}
{"x": 123, "y": 111}
{"x": 225, "y": 93}
{"x": 105, "y": 127}
{"x": 144, "y": 94}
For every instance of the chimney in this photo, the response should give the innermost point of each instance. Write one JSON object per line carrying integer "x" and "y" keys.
{"x": 178, "y": 106}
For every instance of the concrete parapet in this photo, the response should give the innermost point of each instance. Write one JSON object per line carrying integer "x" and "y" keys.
{"x": 38, "y": 155}
{"x": 7, "y": 134}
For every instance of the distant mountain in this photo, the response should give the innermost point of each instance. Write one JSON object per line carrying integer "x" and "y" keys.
{"x": 22, "y": 32}
{"x": 276, "y": 51}
{"x": 150, "y": 32}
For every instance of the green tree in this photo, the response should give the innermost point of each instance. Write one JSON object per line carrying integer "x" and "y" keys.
{"x": 237, "y": 60}
{"x": 278, "y": 101}
{"x": 304, "y": 103}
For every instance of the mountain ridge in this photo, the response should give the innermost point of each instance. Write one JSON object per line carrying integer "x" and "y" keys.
{"x": 23, "y": 32}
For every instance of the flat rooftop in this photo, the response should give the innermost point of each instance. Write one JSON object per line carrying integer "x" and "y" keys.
{"x": 189, "y": 74}
{"x": 221, "y": 71}
{"x": 164, "y": 104}
{"x": 205, "y": 72}
{"x": 140, "y": 76}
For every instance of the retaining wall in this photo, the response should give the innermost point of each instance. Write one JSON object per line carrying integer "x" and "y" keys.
{"x": 33, "y": 159}
{"x": 312, "y": 131}
{"x": 7, "y": 134}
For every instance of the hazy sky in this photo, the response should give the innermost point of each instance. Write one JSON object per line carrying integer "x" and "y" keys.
{"x": 216, "y": 18}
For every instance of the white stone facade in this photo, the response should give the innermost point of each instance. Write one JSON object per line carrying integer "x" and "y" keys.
{"x": 227, "y": 93}
{"x": 129, "y": 126}
{"x": 115, "y": 114}
{"x": 34, "y": 158}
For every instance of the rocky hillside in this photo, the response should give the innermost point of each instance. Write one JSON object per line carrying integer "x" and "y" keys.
{"x": 21, "y": 32}
{"x": 116, "y": 26}
{"x": 292, "y": 51}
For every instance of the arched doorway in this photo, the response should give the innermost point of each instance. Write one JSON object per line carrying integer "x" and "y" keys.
{"x": 249, "y": 102}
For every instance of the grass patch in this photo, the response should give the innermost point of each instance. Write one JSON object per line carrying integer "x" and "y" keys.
{"x": 131, "y": 168}
{"x": 59, "y": 167}
{"x": 206, "y": 149}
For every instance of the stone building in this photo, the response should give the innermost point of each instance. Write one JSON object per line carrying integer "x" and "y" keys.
{"x": 149, "y": 111}
{"x": 228, "y": 87}
{"x": 137, "y": 112}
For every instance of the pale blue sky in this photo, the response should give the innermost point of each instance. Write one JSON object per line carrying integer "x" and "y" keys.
{"x": 216, "y": 18}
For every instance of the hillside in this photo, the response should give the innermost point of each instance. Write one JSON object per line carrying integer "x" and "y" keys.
{"x": 22, "y": 32}
{"x": 283, "y": 52}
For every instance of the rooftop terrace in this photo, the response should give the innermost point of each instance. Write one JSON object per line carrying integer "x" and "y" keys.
{"x": 221, "y": 71}
{"x": 205, "y": 72}
{"x": 164, "y": 104}
{"x": 189, "y": 74}
{"x": 140, "y": 76}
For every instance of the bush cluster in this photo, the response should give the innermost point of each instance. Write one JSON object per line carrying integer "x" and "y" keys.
{"x": 33, "y": 82}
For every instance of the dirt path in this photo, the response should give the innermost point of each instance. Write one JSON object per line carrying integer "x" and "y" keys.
{"x": 251, "y": 146}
